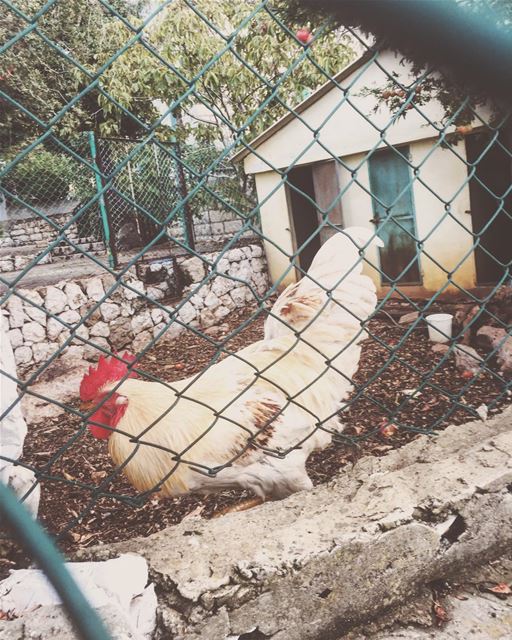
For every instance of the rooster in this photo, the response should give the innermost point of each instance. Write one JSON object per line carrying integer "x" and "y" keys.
{"x": 250, "y": 421}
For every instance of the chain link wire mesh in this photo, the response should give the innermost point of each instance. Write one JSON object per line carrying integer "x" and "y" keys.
{"x": 130, "y": 193}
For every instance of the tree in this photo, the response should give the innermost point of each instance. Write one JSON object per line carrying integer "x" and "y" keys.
{"x": 434, "y": 75}
{"x": 249, "y": 85}
{"x": 40, "y": 78}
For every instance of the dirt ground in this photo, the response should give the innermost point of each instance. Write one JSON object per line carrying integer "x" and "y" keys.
{"x": 83, "y": 506}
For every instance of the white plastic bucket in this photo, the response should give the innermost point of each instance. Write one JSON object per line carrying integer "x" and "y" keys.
{"x": 439, "y": 327}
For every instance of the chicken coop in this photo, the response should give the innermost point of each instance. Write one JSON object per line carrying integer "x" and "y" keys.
{"x": 255, "y": 277}
{"x": 342, "y": 171}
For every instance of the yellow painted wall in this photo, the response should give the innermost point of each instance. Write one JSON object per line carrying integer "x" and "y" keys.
{"x": 276, "y": 226}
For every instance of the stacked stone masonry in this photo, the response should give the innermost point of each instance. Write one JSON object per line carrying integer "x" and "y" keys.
{"x": 33, "y": 235}
{"x": 125, "y": 318}
{"x": 25, "y": 239}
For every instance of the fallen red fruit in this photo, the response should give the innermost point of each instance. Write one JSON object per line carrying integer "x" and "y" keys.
{"x": 467, "y": 374}
{"x": 388, "y": 430}
{"x": 304, "y": 36}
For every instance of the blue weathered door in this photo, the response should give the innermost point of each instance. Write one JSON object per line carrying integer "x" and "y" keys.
{"x": 393, "y": 211}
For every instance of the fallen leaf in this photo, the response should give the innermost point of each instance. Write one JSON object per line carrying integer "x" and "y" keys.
{"x": 68, "y": 476}
{"x": 502, "y": 590}
{"x": 440, "y": 613}
{"x": 388, "y": 430}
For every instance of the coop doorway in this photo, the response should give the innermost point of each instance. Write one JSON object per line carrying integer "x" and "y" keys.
{"x": 491, "y": 205}
{"x": 315, "y": 207}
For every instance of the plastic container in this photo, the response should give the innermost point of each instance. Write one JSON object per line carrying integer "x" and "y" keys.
{"x": 440, "y": 327}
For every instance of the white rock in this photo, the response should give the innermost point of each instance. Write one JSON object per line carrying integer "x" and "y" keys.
{"x": 100, "y": 329}
{"x": 80, "y": 332}
{"x": 257, "y": 251}
{"x": 17, "y": 316}
{"x": 74, "y": 294}
{"x": 239, "y": 295}
{"x": 70, "y": 317}
{"x": 223, "y": 266}
{"x": 157, "y": 315}
{"x": 194, "y": 268}
{"x": 73, "y": 356}
{"x": 155, "y": 293}
{"x": 221, "y": 312}
{"x": 109, "y": 311}
{"x": 55, "y": 300}
{"x": 138, "y": 285}
{"x": 141, "y": 341}
{"x": 467, "y": 358}
{"x": 16, "y": 338}
{"x": 90, "y": 351}
{"x": 54, "y": 328}
{"x": 141, "y": 322}
{"x": 197, "y": 301}
{"x": 126, "y": 309}
{"x": 94, "y": 289}
{"x": 227, "y": 301}
{"x": 211, "y": 300}
{"x": 221, "y": 285}
{"x": 171, "y": 333}
{"x": 235, "y": 255}
{"x": 482, "y": 411}
{"x": 63, "y": 336}
{"x": 33, "y": 312}
{"x": 43, "y": 350}
{"x": 23, "y": 355}
{"x": 261, "y": 282}
{"x": 33, "y": 332}
{"x": 187, "y": 313}
{"x": 207, "y": 319}
{"x": 258, "y": 265}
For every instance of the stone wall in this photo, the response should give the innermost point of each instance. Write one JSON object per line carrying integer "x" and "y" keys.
{"x": 215, "y": 226}
{"x": 24, "y": 236}
{"x": 126, "y": 319}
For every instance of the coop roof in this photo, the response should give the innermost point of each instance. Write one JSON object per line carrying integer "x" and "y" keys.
{"x": 302, "y": 106}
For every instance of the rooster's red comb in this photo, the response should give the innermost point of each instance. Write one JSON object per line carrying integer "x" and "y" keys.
{"x": 108, "y": 370}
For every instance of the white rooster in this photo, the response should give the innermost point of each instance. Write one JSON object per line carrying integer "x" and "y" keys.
{"x": 281, "y": 394}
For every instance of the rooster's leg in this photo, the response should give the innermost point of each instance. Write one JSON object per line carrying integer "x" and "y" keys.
{"x": 239, "y": 506}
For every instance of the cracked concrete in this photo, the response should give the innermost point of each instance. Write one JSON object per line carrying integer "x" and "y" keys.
{"x": 315, "y": 565}
{"x": 469, "y": 609}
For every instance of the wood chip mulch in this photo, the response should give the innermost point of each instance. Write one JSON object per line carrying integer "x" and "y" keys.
{"x": 73, "y": 507}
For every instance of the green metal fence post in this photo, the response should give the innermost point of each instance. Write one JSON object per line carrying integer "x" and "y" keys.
{"x": 35, "y": 541}
{"x": 109, "y": 239}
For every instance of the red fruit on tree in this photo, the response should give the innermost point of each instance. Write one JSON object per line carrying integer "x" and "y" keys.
{"x": 304, "y": 36}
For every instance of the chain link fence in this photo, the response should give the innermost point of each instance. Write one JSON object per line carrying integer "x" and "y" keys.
{"x": 207, "y": 397}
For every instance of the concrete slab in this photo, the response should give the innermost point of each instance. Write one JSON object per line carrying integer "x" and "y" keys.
{"x": 319, "y": 563}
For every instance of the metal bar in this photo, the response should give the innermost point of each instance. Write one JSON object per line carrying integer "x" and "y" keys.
{"x": 101, "y": 201}
{"x": 35, "y": 541}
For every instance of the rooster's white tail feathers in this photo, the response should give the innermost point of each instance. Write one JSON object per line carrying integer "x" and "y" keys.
{"x": 332, "y": 300}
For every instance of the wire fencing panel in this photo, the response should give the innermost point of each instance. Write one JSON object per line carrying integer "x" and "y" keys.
{"x": 439, "y": 200}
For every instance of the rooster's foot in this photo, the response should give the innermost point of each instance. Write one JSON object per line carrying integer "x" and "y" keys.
{"x": 239, "y": 506}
